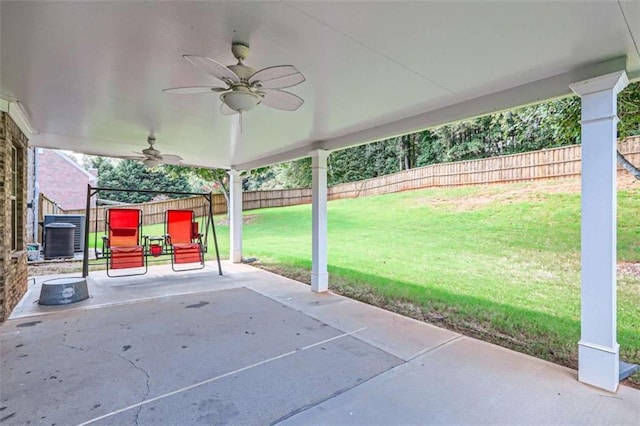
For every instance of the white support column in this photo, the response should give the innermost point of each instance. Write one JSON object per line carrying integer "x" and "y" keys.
{"x": 235, "y": 216}
{"x": 319, "y": 275}
{"x": 598, "y": 356}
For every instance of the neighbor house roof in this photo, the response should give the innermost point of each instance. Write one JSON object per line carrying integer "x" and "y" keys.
{"x": 63, "y": 180}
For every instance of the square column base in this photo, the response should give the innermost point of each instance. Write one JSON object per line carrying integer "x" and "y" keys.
{"x": 319, "y": 282}
{"x": 236, "y": 257}
{"x": 599, "y": 366}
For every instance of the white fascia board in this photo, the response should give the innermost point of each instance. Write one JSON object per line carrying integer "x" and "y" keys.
{"x": 527, "y": 94}
{"x": 290, "y": 155}
{"x": 19, "y": 116}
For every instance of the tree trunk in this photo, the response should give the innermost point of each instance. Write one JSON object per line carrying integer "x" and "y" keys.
{"x": 406, "y": 141}
{"x": 225, "y": 192}
{"x": 628, "y": 166}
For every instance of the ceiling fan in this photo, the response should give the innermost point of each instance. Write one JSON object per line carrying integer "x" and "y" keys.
{"x": 152, "y": 157}
{"x": 244, "y": 86}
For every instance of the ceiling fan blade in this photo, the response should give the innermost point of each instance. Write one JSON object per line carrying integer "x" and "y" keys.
{"x": 171, "y": 159}
{"x": 194, "y": 89}
{"x": 225, "y": 110}
{"x": 278, "y": 77}
{"x": 279, "y": 99}
{"x": 212, "y": 67}
{"x": 132, "y": 157}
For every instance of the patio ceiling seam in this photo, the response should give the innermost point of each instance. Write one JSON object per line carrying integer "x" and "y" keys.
{"x": 633, "y": 39}
{"x": 377, "y": 52}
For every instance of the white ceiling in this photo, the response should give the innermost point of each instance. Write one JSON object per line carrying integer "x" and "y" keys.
{"x": 90, "y": 74}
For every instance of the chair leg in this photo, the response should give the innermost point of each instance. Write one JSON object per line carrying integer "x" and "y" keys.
{"x": 200, "y": 261}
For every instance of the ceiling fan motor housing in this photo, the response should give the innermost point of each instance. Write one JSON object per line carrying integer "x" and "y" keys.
{"x": 242, "y": 71}
{"x": 241, "y": 97}
{"x": 240, "y": 51}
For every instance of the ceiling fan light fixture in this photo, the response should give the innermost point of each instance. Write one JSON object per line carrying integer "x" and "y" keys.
{"x": 240, "y": 101}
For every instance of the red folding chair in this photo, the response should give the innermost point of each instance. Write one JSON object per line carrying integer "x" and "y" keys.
{"x": 123, "y": 240}
{"x": 183, "y": 238}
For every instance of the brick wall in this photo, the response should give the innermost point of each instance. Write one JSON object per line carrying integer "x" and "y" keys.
{"x": 61, "y": 180}
{"x": 13, "y": 263}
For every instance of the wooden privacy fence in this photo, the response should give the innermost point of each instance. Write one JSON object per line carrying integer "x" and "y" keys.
{"x": 530, "y": 166}
{"x": 552, "y": 163}
{"x": 154, "y": 211}
{"x": 275, "y": 198}
{"x": 46, "y": 206}
{"x": 536, "y": 165}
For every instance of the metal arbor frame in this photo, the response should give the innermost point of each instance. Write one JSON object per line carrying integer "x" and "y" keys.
{"x": 91, "y": 191}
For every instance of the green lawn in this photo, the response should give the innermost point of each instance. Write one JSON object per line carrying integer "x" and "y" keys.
{"x": 501, "y": 263}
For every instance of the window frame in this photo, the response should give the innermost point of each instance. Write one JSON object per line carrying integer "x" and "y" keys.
{"x": 13, "y": 197}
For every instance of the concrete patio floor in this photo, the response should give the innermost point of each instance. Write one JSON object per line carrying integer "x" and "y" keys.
{"x": 251, "y": 347}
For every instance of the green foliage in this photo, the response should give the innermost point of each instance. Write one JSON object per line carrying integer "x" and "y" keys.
{"x": 629, "y": 111}
{"x": 297, "y": 174}
{"x": 128, "y": 174}
{"x": 218, "y": 177}
{"x": 262, "y": 178}
{"x": 364, "y": 162}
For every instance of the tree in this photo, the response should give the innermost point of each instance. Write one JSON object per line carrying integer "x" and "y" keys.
{"x": 205, "y": 180}
{"x": 218, "y": 178}
{"x": 629, "y": 124}
{"x": 263, "y": 178}
{"x": 129, "y": 174}
{"x": 297, "y": 173}
{"x": 629, "y": 111}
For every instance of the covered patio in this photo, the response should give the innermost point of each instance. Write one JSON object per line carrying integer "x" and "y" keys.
{"x": 251, "y": 347}
{"x": 88, "y": 77}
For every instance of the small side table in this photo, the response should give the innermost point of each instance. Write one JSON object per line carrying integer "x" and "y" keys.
{"x": 156, "y": 245}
